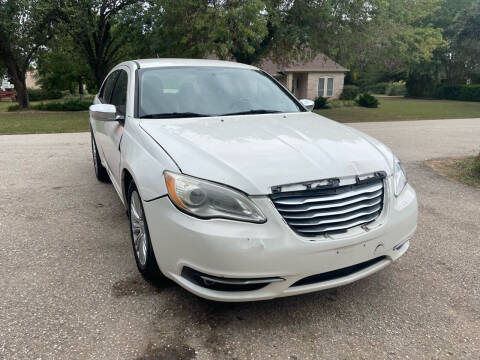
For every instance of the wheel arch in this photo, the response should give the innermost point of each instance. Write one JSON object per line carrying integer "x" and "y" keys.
{"x": 143, "y": 162}
{"x": 127, "y": 178}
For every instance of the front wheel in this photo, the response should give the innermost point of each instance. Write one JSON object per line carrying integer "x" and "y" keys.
{"x": 142, "y": 246}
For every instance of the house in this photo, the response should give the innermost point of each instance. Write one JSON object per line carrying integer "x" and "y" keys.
{"x": 320, "y": 76}
{"x": 31, "y": 79}
{"x": 5, "y": 84}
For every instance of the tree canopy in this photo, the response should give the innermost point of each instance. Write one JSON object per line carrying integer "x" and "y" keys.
{"x": 25, "y": 27}
{"x": 79, "y": 41}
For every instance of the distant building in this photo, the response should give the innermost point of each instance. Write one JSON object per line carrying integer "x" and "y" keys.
{"x": 31, "y": 80}
{"x": 320, "y": 76}
{"x": 5, "y": 84}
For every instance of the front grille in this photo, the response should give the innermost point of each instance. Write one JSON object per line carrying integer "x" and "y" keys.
{"x": 331, "y": 209}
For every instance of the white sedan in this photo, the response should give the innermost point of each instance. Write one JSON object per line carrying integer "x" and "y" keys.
{"x": 235, "y": 190}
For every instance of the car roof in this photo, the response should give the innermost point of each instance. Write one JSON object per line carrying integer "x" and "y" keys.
{"x": 152, "y": 63}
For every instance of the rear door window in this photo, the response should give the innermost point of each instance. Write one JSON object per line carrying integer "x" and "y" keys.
{"x": 106, "y": 92}
{"x": 119, "y": 94}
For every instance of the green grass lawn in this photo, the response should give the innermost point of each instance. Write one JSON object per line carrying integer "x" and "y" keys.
{"x": 464, "y": 170}
{"x": 395, "y": 109}
{"x": 4, "y": 105}
{"x": 390, "y": 109}
{"x": 42, "y": 122}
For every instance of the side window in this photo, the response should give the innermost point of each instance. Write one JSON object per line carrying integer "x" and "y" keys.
{"x": 321, "y": 87}
{"x": 325, "y": 87}
{"x": 119, "y": 94}
{"x": 330, "y": 87}
{"x": 107, "y": 88}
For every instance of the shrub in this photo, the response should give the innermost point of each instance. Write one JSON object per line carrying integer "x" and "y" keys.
{"x": 461, "y": 92}
{"x": 380, "y": 88}
{"x": 350, "y": 92}
{"x": 341, "y": 103}
{"x": 396, "y": 89}
{"x": 40, "y": 94}
{"x": 68, "y": 105}
{"x": 321, "y": 103}
{"x": 367, "y": 100}
{"x": 421, "y": 85}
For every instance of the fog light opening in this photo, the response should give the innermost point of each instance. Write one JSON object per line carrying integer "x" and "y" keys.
{"x": 226, "y": 284}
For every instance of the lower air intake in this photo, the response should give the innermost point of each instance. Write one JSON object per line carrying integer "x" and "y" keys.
{"x": 226, "y": 284}
{"x": 336, "y": 274}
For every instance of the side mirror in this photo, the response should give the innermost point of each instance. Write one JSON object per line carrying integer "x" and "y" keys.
{"x": 309, "y": 104}
{"x": 103, "y": 112}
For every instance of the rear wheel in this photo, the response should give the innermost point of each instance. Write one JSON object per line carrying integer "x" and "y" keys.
{"x": 142, "y": 246}
{"x": 100, "y": 172}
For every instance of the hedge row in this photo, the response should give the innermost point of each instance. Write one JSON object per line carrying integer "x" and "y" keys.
{"x": 40, "y": 94}
{"x": 365, "y": 100}
{"x": 390, "y": 89}
{"x": 461, "y": 92}
{"x": 350, "y": 92}
{"x": 68, "y": 105}
{"x": 380, "y": 88}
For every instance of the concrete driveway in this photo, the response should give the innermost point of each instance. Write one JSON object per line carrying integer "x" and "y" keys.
{"x": 69, "y": 287}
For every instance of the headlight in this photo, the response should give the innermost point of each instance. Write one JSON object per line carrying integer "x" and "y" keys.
{"x": 399, "y": 177}
{"x": 207, "y": 200}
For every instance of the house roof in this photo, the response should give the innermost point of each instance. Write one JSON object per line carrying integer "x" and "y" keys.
{"x": 320, "y": 63}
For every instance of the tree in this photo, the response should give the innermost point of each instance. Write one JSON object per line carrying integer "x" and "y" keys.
{"x": 25, "y": 26}
{"x": 60, "y": 68}
{"x": 464, "y": 53}
{"x": 94, "y": 28}
{"x": 249, "y": 30}
{"x": 398, "y": 34}
{"x": 176, "y": 28}
{"x": 456, "y": 59}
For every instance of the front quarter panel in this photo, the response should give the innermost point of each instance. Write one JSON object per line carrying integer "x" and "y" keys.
{"x": 145, "y": 160}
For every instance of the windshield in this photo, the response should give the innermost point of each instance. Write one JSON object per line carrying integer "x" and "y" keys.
{"x": 209, "y": 91}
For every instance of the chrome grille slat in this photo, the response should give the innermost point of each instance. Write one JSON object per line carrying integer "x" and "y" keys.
{"x": 348, "y": 225}
{"x": 340, "y": 211}
{"x": 331, "y": 209}
{"x": 302, "y": 208}
{"x": 335, "y": 219}
{"x": 303, "y": 200}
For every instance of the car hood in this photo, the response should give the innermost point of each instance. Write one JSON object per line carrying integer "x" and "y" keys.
{"x": 254, "y": 153}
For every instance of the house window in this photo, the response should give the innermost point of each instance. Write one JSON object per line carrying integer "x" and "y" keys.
{"x": 325, "y": 87}
{"x": 321, "y": 87}
{"x": 329, "y": 87}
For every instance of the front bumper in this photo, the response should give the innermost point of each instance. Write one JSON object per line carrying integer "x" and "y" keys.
{"x": 231, "y": 249}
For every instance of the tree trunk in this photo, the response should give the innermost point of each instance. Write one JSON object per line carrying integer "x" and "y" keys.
{"x": 22, "y": 97}
{"x": 100, "y": 73}
{"x": 18, "y": 76}
{"x": 80, "y": 86}
{"x": 22, "y": 94}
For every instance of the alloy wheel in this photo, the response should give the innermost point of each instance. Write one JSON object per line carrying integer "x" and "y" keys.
{"x": 137, "y": 223}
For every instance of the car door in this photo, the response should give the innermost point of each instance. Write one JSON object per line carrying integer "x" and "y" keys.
{"x": 113, "y": 130}
{"x": 104, "y": 97}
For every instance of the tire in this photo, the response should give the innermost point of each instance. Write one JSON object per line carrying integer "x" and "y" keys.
{"x": 140, "y": 236}
{"x": 100, "y": 172}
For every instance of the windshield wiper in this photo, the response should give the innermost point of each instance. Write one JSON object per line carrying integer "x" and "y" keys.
{"x": 251, "y": 112}
{"x": 173, "y": 115}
